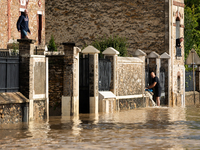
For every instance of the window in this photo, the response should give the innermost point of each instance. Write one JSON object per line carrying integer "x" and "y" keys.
{"x": 178, "y": 83}
{"x": 178, "y": 49}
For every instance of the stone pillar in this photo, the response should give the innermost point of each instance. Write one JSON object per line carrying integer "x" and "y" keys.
{"x": 153, "y": 58}
{"x": 33, "y": 79}
{"x": 140, "y": 54}
{"x": 47, "y": 87}
{"x": 158, "y": 67}
{"x": 26, "y": 49}
{"x": 112, "y": 54}
{"x": 165, "y": 60}
{"x": 70, "y": 99}
{"x": 93, "y": 79}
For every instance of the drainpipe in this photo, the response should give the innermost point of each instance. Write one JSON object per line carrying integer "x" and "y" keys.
{"x": 8, "y": 11}
{"x": 170, "y": 75}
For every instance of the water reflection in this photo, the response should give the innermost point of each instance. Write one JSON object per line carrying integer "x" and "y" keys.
{"x": 145, "y": 128}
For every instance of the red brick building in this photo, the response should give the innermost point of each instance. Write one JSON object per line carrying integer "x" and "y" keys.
{"x": 10, "y": 11}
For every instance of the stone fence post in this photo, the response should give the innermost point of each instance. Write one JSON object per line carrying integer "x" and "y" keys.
{"x": 165, "y": 61}
{"x": 26, "y": 49}
{"x": 70, "y": 98}
{"x": 32, "y": 79}
{"x": 112, "y": 54}
{"x": 93, "y": 77}
{"x": 140, "y": 54}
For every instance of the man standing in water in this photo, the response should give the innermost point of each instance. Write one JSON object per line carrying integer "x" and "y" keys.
{"x": 22, "y": 24}
{"x": 156, "y": 84}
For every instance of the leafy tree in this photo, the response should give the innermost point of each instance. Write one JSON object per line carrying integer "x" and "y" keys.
{"x": 192, "y": 34}
{"x": 52, "y": 46}
{"x": 118, "y": 43}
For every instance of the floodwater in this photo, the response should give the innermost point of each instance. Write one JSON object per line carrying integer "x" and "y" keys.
{"x": 144, "y": 128}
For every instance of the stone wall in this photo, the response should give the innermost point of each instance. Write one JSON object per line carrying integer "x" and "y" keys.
{"x": 144, "y": 23}
{"x": 189, "y": 98}
{"x": 13, "y": 107}
{"x": 128, "y": 104}
{"x": 39, "y": 110}
{"x": 130, "y": 70}
{"x": 11, "y": 113}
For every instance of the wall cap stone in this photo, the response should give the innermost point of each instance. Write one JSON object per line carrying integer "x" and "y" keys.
{"x": 51, "y": 53}
{"x": 69, "y": 43}
{"x": 129, "y": 60}
{"x": 165, "y": 56}
{"x": 12, "y": 98}
{"x": 37, "y": 56}
{"x": 153, "y": 54}
{"x": 110, "y": 51}
{"x": 131, "y": 96}
{"x": 31, "y": 41}
{"x": 90, "y": 50}
{"x": 106, "y": 94}
{"x": 139, "y": 52}
{"x": 77, "y": 49}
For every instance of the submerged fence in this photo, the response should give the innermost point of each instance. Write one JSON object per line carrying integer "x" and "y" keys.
{"x": 9, "y": 68}
{"x": 189, "y": 81}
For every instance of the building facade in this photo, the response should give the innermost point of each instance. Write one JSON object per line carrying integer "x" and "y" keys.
{"x": 10, "y": 12}
{"x": 177, "y": 69}
{"x": 148, "y": 25}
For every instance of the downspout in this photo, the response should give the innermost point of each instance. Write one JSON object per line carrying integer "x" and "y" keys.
{"x": 170, "y": 67}
{"x": 8, "y": 13}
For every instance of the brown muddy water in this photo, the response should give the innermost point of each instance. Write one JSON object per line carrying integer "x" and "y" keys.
{"x": 145, "y": 128}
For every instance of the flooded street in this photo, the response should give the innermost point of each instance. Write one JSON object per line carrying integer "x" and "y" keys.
{"x": 145, "y": 128}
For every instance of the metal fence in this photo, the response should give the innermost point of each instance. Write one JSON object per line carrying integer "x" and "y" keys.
{"x": 104, "y": 75}
{"x": 189, "y": 81}
{"x": 9, "y": 72}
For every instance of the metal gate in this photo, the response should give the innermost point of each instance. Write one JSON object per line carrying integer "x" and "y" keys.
{"x": 189, "y": 81}
{"x": 9, "y": 72}
{"x": 147, "y": 76}
{"x": 104, "y": 75}
{"x": 84, "y": 85}
{"x": 162, "y": 84}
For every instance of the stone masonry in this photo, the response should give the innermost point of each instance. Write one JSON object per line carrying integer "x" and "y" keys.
{"x": 143, "y": 23}
{"x": 129, "y": 76}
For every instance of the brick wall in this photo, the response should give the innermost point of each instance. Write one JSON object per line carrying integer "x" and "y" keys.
{"x": 24, "y": 76}
{"x": 3, "y": 24}
{"x": 10, "y": 12}
{"x": 81, "y": 21}
{"x": 55, "y": 84}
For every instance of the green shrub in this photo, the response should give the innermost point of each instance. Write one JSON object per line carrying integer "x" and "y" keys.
{"x": 118, "y": 43}
{"x": 52, "y": 46}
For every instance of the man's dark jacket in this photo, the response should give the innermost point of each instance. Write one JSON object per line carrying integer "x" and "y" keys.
{"x": 178, "y": 43}
{"x": 22, "y": 23}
